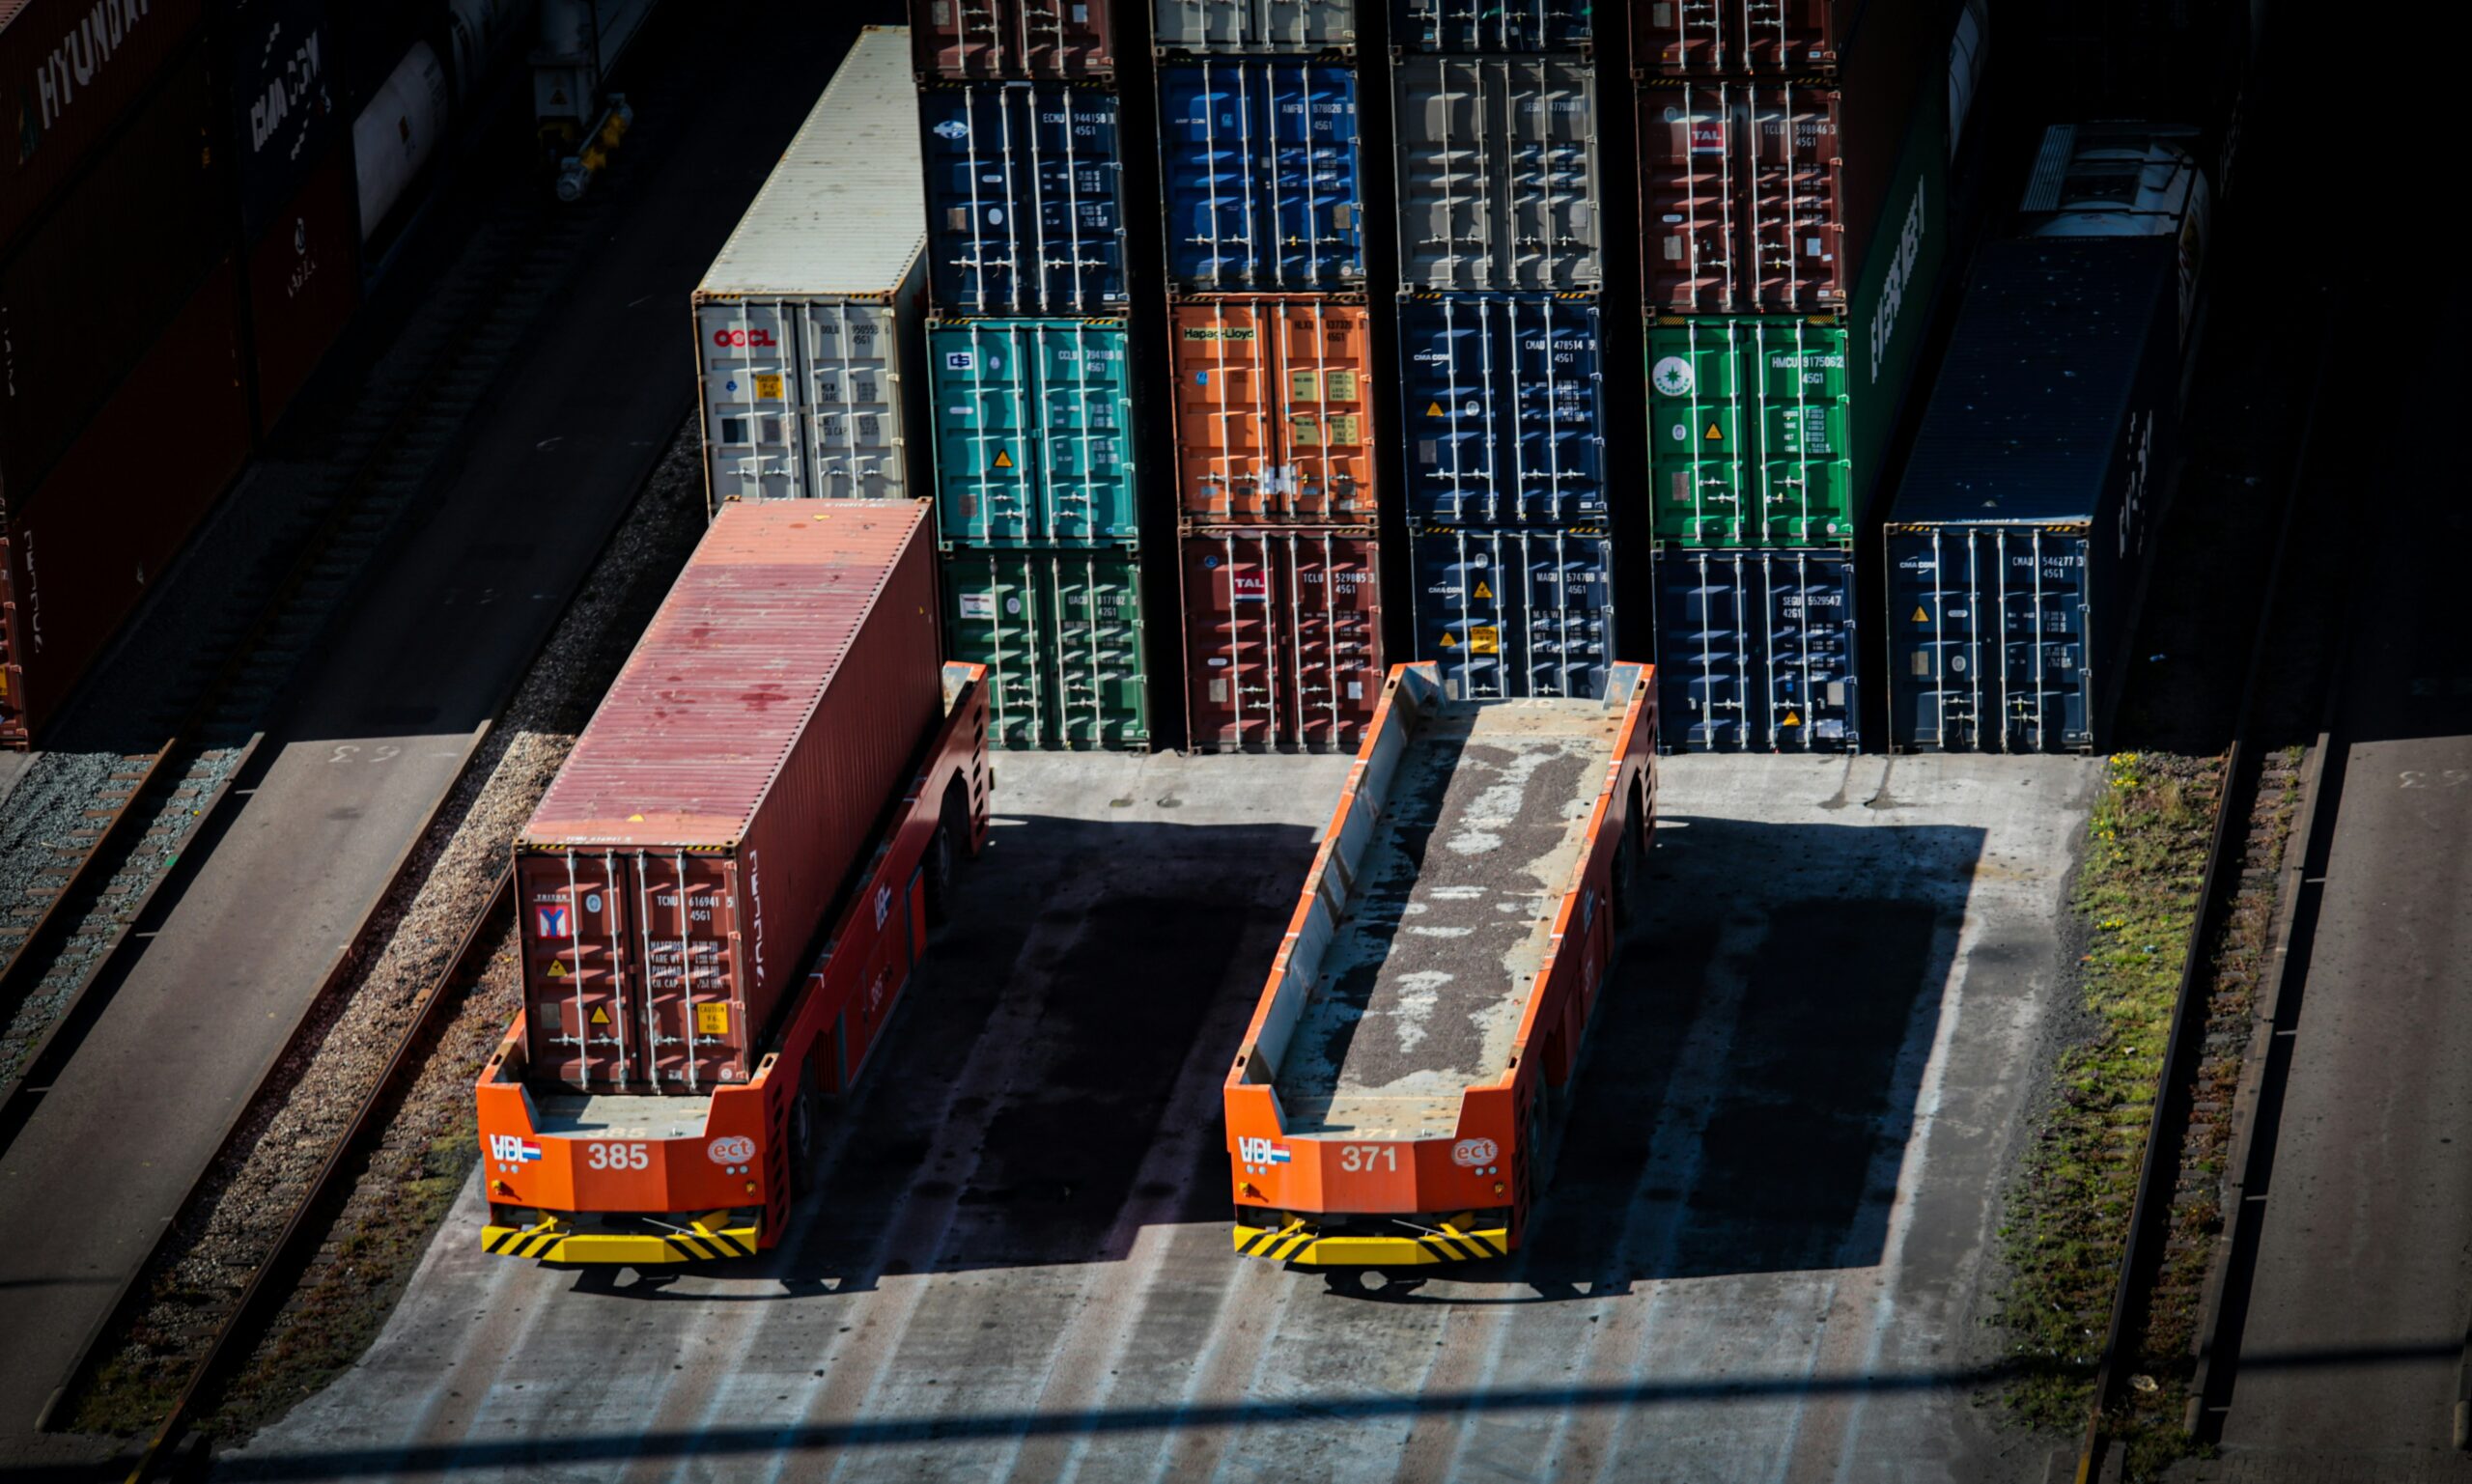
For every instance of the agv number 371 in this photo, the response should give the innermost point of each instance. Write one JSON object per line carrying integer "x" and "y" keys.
{"x": 1358, "y": 1158}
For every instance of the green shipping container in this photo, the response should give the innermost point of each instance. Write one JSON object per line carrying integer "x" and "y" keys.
{"x": 1768, "y": 429}
{"x": 1031, "y": 440}
{"x": 1060, "y": 633}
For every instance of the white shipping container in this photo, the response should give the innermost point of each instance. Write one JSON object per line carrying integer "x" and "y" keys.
{"x": 811, "y": 322}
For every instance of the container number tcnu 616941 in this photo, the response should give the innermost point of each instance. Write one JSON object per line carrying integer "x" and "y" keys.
{"x": 1369, "y": 1156}
{"x": 617, "y": 1156}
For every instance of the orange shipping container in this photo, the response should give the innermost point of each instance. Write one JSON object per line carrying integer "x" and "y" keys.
{"x": 1273, "y": 413}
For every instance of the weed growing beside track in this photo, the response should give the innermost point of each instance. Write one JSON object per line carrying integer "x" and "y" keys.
{"x": 2068, "y": 1215}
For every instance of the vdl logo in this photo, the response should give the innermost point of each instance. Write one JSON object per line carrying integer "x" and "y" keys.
{"x": 1254, "y": 1150}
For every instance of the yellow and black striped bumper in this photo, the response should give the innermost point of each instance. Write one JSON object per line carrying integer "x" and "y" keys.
{"x": 555, "y": 1241}
{"x": 1299, "y": 1242}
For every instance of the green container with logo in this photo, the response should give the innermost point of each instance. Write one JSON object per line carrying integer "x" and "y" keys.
{"x": 1771, "y": 429}
{"x": 1032, "y": 441}
{"x": 1060, "y": 632}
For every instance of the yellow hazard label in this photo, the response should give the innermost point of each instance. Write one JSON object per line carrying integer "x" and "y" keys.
{"x": 1714, "y": 434}
{"x": 1482, "y": 591}
{"x": 1003, "y": 459}
{"x": 1304, "y": 386}
{"x": 769, "y": 388}
{"x": 712, "y": 1019}
{"x": 1919, "y": 616}
{"x": 1485, "y": 641}
{"x": 557, "y": 971}
{"x": 1340, "y": 385}
{"x": 1792, "y": 720}
{"x": 1434, "y": 411}
{"x": 1345, "y": 430}
{"x": 600, "y": 1015}
{"x": 1447, "y": 641}
{"x": 634, "y": 819}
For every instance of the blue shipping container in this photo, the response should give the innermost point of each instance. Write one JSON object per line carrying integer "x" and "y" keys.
{"x": 1261, "y": 175}
{"x": 1498, "y": 396}
{"x": 1515, "y": 613}
{"x": 1492, "y": 25}
{"x": 1024, "y": 209}
{"x": 2019, "y": 533}
{"x": 1756, "y": 651}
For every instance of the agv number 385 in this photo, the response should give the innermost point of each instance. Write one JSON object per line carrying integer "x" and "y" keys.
{"x": 617, "y": 1157}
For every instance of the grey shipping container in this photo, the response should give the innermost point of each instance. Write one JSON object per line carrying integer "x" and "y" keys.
{"x": 1253, "y": 25}
{"x": 1755, "y": 650}
{"x": 2018, "y": 538}
{"x": 1498, "y": 173}
{"x": 810, "y": 324}
{"x": 1513, "y": 613}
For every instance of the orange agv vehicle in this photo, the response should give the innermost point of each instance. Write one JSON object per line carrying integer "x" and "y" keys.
{"x": 1391, "y": 1103}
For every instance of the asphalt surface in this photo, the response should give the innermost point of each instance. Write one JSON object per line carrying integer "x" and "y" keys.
{"x": 392, "y": 706}
{"x": 2350, "y": 1329}
{"x": 1767, "y": 1255}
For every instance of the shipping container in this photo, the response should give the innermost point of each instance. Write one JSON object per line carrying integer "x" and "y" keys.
{"x": 1498, "y": 395}
{"x": 1261, "y": 175}
{"x": 2018, "y": 541}
{"x": 1283, "y": 637}
{"x": 1060, "y": 632}
{"x": 1772, "y": 429}
{"x": 1253, "y": 25}
{"x": 86, "y": 293}
{"x": 286, "y": 114}
{"x": 1756, "y": 651}
{"x": 1024, "y": 207}
{"x": 1395, "y": 1100}
{"x": 397, "y": 132}
{"x": 72, "y": 73}
{"x": 1739, "y": 199}
{"x": 1014, "y": 38}
{"x": 811, "y": 324}
{"x": 116, "y": 508}
{"x": 1031, "y": 446}
{"x": 1274, "y": 421}
{"x": 1515, "y": 613}
{"x": 1497, "y": 174}
{"x": 672, "y": 880}
{"x": 1492, "y": 25}
{"x": 578, "y": 44}
{"x": 303, "y": 284}
{"x": 1767, "y": 37}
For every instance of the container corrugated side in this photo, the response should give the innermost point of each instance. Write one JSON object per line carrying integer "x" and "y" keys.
{"x": 1503, "y": 425}
{"x": 1060, "y": 632}
{"x": 1273, "y": 409}
{"x": 70, "y": 72}
{"x": 1024, "y": 197}
{"x": 303, "y": 284}
{"x": 1756, "y": 651}
{"x": 1253, "y": 25}
{"x": 964, "y": 39}
{"x": 1492, "y": 25}
{"x": 1515, "y": 613}
{"x": 1283, "y": 637}
{"x": 1031, "y": 446}
{"x": 1261, "y": 172}
{"x": 677, "y": 870}
{"x": 1498, "y": 185}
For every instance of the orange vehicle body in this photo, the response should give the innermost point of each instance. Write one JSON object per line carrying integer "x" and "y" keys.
{"x": 668, "y": 1177}
{"x": 1314, "y": 1190}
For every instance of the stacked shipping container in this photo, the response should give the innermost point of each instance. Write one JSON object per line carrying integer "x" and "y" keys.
{"x": 1503, "y": 433}
{"x": 1271, "y": 354}
{"x": 1794, "y": 188}
{"x": 1029, "y": 354}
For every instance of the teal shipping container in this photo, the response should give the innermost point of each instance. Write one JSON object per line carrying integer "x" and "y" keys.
{"x": 1032, "y": 441}
{"x": 1060, "y": 633}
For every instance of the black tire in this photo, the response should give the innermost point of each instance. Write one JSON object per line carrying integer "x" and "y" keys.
{"x": 803, "y": 1114}
{"x": 942, "y": 861}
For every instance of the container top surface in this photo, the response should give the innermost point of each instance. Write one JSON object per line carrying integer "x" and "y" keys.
{"x": 845, "y": 211}
{"x": 2040, "y": 370}
{"x": 687, "y": 741}
{"x": 1423, "y": 990}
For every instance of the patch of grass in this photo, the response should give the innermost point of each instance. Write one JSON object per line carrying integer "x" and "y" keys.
{"x": 2066, "y": 1225}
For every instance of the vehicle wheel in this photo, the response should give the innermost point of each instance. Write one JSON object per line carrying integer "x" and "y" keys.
{"x": 802, "y": 1121}
{"x": 944, "y": 860}
{"x": 1623, "y": 887}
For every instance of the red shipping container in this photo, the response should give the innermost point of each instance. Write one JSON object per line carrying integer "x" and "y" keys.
{"x": 1013, "y": 39}
{"x": 1283, "y": 637}
{"x": 121, "y": 503}
{"x": 1742, "y": 36}
{"x": 304, "y": 284}
{"x": 70, "y": 70}
{"x": 1273, "y": 415}
{"x": 675, "y": 873}
{"x": 1739, "y": 198}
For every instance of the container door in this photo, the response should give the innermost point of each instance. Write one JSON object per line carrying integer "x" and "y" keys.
{"x": 1326, "y": 474}
{"x": 1792, "y": 211}
{"x": 997, "y": 618}
{"x": 2044, "y": 686}
{"x": 986, "y": 408}
{"x": 1701, "y": 460}
{"x": 1226, "y": 435}
{"x": 1502, "y": 404}
{"x": 583, "y": 1003}
{"x": 751, "y": 415}
{"x": 1283, "y": 638}
{"x": 695, "y": 1013}
{"x": 1702, "y": 657}
{"x": 1023, "y": 214}
{"x": 1938, "y": 579}
{"x": 1079, "y": 190}
{"x": 1082, "y": 464}
{"x": 1566, "y": 639}
{"x": 1334, "y": 599}
{"x": 852, "y": 411}
{"x": 1261, "y": 162}
{"x": 1460, "y": 608}
{"x": 1679, "y": 36}
{"x": 1809, "y": 702}
{"x": 1802, "y": 491}
{"x": 1787, "y": 35}
{"x": 1496, "y": 175}
{"x": 1013, "y": 38}
{"x": 1489, "y": 25}
{"x": 1688, "y": 194}
{"x": 1100, "y": 691}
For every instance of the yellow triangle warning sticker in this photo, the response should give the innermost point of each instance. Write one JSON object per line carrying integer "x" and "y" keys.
{"x": 1714, "y": 434}
{"x": 1919, "y": 616}
{"x": 1003, "y": 459}
{"x": 1433, "y": 410}
{"x": 634, "y": 819}
{"x": 1447, "y": 642}
{"x": 600, "y": 1015}
{"x": 1482, "y": 591}
{"x": 557, "y": 971}
{"x": 1791, "y": 719}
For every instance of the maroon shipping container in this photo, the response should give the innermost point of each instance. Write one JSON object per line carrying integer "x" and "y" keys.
{"x": 675, "y": 873}
{"x": 84, "y": 295}
{"x": 1739, "y": 198}
{"x": 1708, "y": 37}
{"x": 303, "y": 285}
{"x": 120, "y": 505}
{"x": 1283, "y": 637}
{"x": 1013, "y": 39}
{"x": 72, "y": 71}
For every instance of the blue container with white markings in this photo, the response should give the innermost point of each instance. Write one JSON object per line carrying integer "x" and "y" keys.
{"x": 1755, "y": 650}
{"x": 1515, "y": 613}
{"x": 1024, "y": 209}
{"x": 1261, "y": 172}
{"x": 1502, "y": 419}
